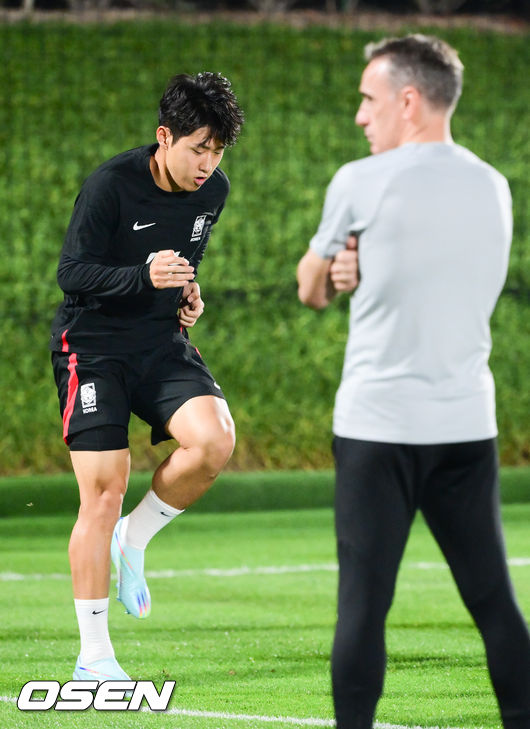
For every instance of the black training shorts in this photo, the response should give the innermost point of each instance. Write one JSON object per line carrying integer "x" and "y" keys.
{"x": 97, "y": 391}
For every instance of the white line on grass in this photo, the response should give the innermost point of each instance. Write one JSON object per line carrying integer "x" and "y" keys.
{"x": 310, "y": 721}
{"x": 243, "y": 571}
{"x": 296, "y": 721}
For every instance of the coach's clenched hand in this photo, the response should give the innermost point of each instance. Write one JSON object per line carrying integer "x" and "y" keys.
{"x": 344, "y": 271}
{"x": 169, "y": 271}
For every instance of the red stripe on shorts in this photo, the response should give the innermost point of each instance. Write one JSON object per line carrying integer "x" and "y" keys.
{"x": 73, "y": 383}
{"x": 66, "y": 346}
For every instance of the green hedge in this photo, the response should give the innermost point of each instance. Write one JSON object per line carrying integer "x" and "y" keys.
{"x": 72, "y": 96}
{"x": 251, "y": 491}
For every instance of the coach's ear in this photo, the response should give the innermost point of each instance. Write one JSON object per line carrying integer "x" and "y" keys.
{"x": 410, "y": 99}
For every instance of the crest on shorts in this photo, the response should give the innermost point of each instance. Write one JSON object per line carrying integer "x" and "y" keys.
{"x": 88, "y": 397}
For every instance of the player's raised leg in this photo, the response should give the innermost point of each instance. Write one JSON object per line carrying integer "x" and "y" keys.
{"x": 204, "y": 429}
{"x": 102, "y": 477}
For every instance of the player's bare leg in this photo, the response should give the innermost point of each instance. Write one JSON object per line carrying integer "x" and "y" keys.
{"x": 102, "y": 477}
{"x": 204, "y": 429}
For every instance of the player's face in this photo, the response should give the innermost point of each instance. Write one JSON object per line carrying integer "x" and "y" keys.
{"x": 191, "y": 160}
{"x": 380, "y": 111}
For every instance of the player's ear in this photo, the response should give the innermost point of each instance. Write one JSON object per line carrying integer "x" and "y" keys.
{"x": 163, "y": 137}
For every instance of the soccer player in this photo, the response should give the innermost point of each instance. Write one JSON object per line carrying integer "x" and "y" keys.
{"x": 414, "y": 418}
{"x": 119, "y": 344}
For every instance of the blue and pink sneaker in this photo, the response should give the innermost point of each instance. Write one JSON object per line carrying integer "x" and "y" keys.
{"x": 106, "y": 669}
{"x": 132, "y": 587}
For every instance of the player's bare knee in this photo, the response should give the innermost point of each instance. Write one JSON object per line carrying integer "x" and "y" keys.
{"x": 217, "y": 449}
{"x": 227, "y": 442}
{"x": 218, "y": 452}
{"x": 105, "y": 508}
{"x": 111, "y": 502}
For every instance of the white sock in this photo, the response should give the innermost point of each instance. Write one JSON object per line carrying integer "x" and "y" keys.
{"x": 149, "y": 517}
{"x": 92, "y": 616}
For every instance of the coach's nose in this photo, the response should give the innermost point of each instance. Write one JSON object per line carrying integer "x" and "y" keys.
{"x": 361, "y": 118}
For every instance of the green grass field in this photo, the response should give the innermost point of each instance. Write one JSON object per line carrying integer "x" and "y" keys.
{"x": 243, "y": 619}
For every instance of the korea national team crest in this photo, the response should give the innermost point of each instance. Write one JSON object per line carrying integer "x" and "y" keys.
{"x": 88, "y": 397}
{"x": 198, "y": 227}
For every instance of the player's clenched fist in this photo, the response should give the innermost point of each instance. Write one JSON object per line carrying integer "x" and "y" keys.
{"x": 170, "y": 271}
{"x": 192, "y": 304}
{"x": 344, "y": 271}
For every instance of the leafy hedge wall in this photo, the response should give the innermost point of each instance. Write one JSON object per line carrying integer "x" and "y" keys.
{"x": 72, "y": 96}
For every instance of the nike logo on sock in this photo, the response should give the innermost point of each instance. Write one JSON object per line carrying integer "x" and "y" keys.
{"x": 168, "y": 515}
{"x": 97, "y": 612}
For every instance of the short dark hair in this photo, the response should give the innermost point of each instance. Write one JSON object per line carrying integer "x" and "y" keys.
{"x": 425, "y": 62}
{"x": 204, "y": 100}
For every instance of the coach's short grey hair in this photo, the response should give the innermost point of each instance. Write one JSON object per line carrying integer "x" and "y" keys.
{"x": 425, "y": 62}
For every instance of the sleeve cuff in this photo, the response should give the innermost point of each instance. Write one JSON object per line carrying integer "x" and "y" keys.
{"x": 146, "y": 278}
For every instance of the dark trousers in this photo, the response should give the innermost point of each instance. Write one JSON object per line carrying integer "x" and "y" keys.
{"x": 379, "y": 488}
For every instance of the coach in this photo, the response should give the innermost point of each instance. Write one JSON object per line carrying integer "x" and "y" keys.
{"x": 414, "y": 419}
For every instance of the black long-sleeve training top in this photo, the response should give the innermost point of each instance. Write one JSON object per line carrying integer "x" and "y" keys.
{"x": 120, "y": 219}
